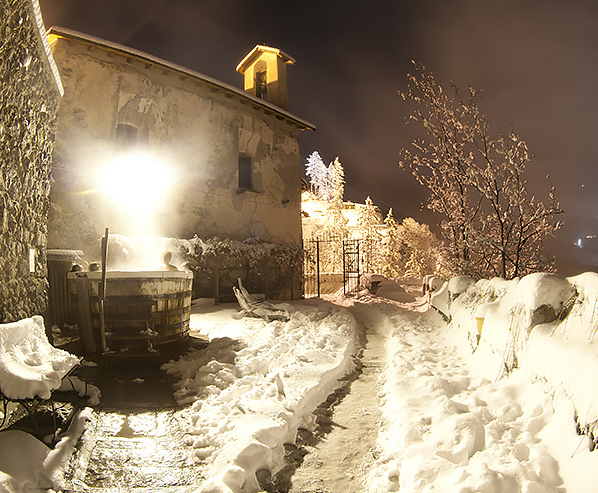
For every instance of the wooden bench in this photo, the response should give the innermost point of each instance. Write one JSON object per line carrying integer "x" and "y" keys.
{"x": 258, "y": 308}
{"x": 31, "y": 369}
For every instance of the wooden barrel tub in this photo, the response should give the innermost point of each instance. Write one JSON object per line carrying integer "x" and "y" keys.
{"x": 142, "y": 311}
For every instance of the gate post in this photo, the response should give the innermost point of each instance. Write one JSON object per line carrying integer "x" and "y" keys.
{"x": 318, "y": 265}
{"x": 345, "y": 277}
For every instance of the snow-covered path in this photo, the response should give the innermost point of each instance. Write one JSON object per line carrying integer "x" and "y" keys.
{"x": 342, "y": 460}
{"x": 446, "y": 429}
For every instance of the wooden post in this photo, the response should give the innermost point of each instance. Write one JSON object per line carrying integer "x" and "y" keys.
{"x": 86, "y": 324}
{"x": 102, "y": 291}
{"x": 266, "y": 279}
{"x": 217, "y": 284}
{"x": 292, "y": 280}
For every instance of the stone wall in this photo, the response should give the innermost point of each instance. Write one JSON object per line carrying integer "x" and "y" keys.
{"x": 29, "y": 98}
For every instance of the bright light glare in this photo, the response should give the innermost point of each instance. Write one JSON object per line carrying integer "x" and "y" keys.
{"x": 137, "y": 182}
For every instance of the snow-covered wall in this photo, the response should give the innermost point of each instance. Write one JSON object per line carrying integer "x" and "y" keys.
{"x": 543, "y": 323}
{"x": 29, "y": 100}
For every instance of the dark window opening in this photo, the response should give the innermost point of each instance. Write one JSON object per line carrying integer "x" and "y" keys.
{"x": 126, "y": 135}
{"x": 261, "y": 85}
{"x": 245, "y": 172}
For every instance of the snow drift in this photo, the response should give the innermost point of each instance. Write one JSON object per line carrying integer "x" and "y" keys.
{"x": 249, "y": 396}
{"x": 543, "y": 323}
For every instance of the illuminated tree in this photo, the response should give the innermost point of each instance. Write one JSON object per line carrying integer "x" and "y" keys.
{"x": 317, "y": 172}
{"x": 370, "y": 235}
{"x": 392, "y": 245}
{"x": 422, "y": 248}
{"x": 476, "y": 183}
{"x": 336, "y": 180}
{"x": 338, "y": 222}
{"x": 328, "y": 182}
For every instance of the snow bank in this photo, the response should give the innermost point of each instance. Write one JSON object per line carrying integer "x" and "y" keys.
{"x": 29, "y": 365}
{"x": 27, "y": 464}
{"x": 543, "y": 323}
{"x": 249, "y": 397}
{"x": 392, "y": 290}
{"x": 565, "y": 351}
{"x": 447, "y": 427}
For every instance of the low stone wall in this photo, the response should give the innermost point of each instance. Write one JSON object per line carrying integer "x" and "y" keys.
{"x": 29, "y": 98}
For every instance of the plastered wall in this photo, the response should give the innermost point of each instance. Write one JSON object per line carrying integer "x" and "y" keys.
{"x": 198, "y": 130}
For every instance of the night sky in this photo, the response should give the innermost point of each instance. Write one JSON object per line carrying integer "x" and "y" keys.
{"x": 536, "y": 61}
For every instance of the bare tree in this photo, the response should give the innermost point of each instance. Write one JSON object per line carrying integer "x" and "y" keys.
{"x": 476, "y": 183}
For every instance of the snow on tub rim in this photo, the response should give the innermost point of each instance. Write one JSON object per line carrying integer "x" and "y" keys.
{"x": 30, "y": 366}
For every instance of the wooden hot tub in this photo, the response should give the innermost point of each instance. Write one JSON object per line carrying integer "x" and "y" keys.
{"x": 143, "y": 309}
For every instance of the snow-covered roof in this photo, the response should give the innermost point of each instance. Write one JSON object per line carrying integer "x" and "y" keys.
{"x": 253, "y": 54}
{"x": 48, "y": 59}
{"x": 127, "y": 52}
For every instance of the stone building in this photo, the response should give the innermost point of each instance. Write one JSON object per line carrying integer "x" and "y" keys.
{"x": 229, "y": 159}
{"x": 29, "y": 100}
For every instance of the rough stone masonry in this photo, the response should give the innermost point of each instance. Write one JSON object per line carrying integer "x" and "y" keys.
{"x": 30, "y": 92}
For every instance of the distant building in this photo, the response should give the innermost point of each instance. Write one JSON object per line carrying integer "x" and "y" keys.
{"x": 234, "y": 153}
{"x": 317, "y": 218}
{"x": 29, "y": 100}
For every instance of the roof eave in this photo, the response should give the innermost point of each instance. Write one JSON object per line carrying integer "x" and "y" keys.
{"x": 164, "y": 64}
{"x": 248, "y": 60}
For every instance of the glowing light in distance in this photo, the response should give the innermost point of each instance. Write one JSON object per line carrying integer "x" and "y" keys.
{"x": 137, "y": 182}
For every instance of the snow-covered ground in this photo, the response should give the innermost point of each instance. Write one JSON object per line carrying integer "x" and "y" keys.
{"x": 257, "y": 383}
{"x": 457, "y": 415}
{"x": 488, "y": 402}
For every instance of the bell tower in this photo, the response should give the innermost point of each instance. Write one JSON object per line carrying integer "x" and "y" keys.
{"x": 265, "y": 72}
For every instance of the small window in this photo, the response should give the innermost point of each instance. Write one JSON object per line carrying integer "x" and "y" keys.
{"x": 126, "y": 136}
{"x": 245, "y": 172}
{"x": 261, "y": 85}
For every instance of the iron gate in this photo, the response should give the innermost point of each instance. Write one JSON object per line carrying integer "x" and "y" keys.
{"x": 328, "y": 263}
{"x": 350, "y": 266}
{"x": 311, "y": 268}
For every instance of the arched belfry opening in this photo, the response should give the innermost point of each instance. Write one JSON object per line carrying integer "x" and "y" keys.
{"x": 265, "y": 72}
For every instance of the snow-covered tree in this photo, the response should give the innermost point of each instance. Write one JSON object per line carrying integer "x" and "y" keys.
{"x": 422, "y": 248}
{"x": 476, "y": 183}
{"x": 317, "y": 172}
{"x": 327, "y": 182}
{"x": 370, "y": 234}
{"x": 392, "y": 265}
{"x": 336, "y": 179}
